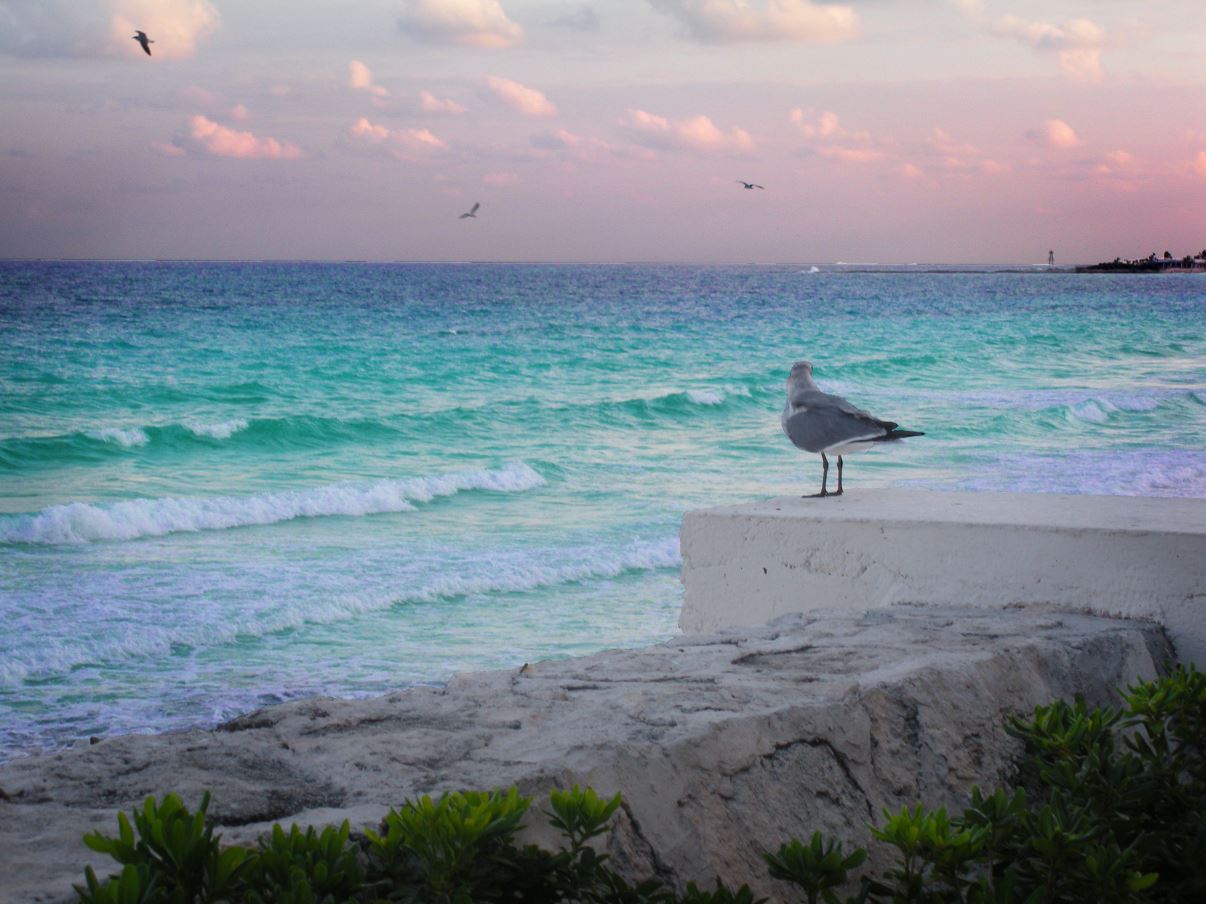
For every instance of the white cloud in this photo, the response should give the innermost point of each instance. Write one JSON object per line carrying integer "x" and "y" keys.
{"x": 734, "y": 21}
{"x": 527, "y": 101}
{"x": 429, "y": 103}
{"x": 222, "y": 141}
{"x": 697, "y": 133}
{"x": 1078, "y": 43}
{"x": 477, "y": 23}
{"x": 360, "y": 78}
{"x": 87, "y": 28}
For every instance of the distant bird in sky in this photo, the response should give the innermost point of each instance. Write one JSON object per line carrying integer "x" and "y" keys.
{"x": 472, "y": 211}
{"x": 141, "y": 38}
{"x": 748, "y": 186}
{"x": 818, "y": 422}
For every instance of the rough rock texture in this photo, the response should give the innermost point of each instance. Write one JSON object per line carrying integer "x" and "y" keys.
{"x": 723, "y": 745}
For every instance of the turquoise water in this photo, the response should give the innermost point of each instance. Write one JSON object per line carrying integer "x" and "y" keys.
{"x": 225, "y": 485}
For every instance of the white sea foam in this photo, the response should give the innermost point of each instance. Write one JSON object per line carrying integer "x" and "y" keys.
{"x": 507, "y": 571}
{"x": 716, "y": 396}
{"x": 705, "y": 396}
{"x": 127, "y": 437}
{"x": 221, "y": 430}
{"x": 83, "y": 522}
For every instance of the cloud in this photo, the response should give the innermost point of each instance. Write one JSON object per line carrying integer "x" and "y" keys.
{"x": 360, "y": 78}
{"x": 240, "y": 112}
{"x": 167, "y": 149}
{"x": 958, "y": 157}
{"x": 500, "y": 179}
{"x": 91, "y": 28}
{"x": 527, "y": 101}
{"x": 399, "y": 139}
{"x": 583, "y": 18}
{"x": 1077, "y": 43}
{"x": 735, "y": 21}
{"x": 829, "y": 138}
{"x": 1057, "y": 134}
{"x": 429, "y": 103}
{"x": 697, "y": 133}
{"x": 1199, "y": 163}
{"x": 222, "y": 141}
{"x": 362, "y": 128}
{"x": 476, "y": 23}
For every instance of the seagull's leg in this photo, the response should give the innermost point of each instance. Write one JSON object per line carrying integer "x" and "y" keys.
{"x": 824, "y": 478}
{"x": 839, "y": 489}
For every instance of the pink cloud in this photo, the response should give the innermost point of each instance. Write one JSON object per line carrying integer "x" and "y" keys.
{"x": 527, "y": 101}
{"x": 1059, "y": 134}
{"x": 1199, "y": 163}
{"x": 500, "y": 179}
{"x": 407, "y": 139}
{"x": 429, "y": 103}
{"x": 734, "y": 21}
{"x": 362, "y": 128}
{"x": 697, "y": 133}
{"x": 168, "y": 149}
{"x": 850, "y": 155}
{"x": 226, "y": 142}
{"x": 360, "y": 78}
{"x": 240, "y": 112}
{"x": 476, "y": 23}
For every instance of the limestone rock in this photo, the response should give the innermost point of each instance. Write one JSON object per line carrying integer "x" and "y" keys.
{"x": 723, "y": 745}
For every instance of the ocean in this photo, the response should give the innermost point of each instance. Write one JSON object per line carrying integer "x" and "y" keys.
{"x": 224, "y": 485}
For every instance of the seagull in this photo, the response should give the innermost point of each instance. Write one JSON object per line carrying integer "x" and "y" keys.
{"x": 472, "y": 211}
{"x": 141, "y": 38}
{"x": 750, "y": 186}
{"x": 818, "y": 422}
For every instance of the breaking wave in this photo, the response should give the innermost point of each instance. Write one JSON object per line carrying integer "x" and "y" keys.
{"x": 85, "y": 522}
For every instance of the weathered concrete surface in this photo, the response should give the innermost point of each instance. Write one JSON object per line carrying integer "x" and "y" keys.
{"x": 1120, "y": 556}
{"x": 724, "y": 745}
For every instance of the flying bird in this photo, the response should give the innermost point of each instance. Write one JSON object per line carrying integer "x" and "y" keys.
{"x": 141, "y": 38}
{"x": 818, "y": 422}
{"x": 749, "y": 186}
{"x": 472, "y": 211}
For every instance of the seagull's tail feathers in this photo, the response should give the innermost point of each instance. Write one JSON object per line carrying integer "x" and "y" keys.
{"x": 897, "y": 434}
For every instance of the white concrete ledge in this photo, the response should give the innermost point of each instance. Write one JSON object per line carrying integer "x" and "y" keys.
{"x": 1110, "y": 555}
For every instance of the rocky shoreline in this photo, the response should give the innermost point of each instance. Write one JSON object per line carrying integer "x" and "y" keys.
{"x": 724, "y": 745}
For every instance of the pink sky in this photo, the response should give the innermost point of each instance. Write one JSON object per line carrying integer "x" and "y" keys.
{"x": 884, "y": 130}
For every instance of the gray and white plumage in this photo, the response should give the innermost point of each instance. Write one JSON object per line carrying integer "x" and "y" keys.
{"x": 819, "y": 422}
{"x": 472, "y": 214}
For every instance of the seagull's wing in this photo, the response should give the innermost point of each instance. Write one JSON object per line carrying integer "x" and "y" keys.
{"x": 816, "y": 429}
{"x": 476, "y": 205}
{"x": 760, "y": 186}
{"x": 816, "y": 421}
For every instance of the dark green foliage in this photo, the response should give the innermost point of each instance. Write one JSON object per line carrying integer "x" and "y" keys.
{"x": 178, "y": 857}
{"x": 817, "y": 867}
{"x": 300, "y": 867}
{"x": 1112, "y": 809}
{"x": 458, "y": 849}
